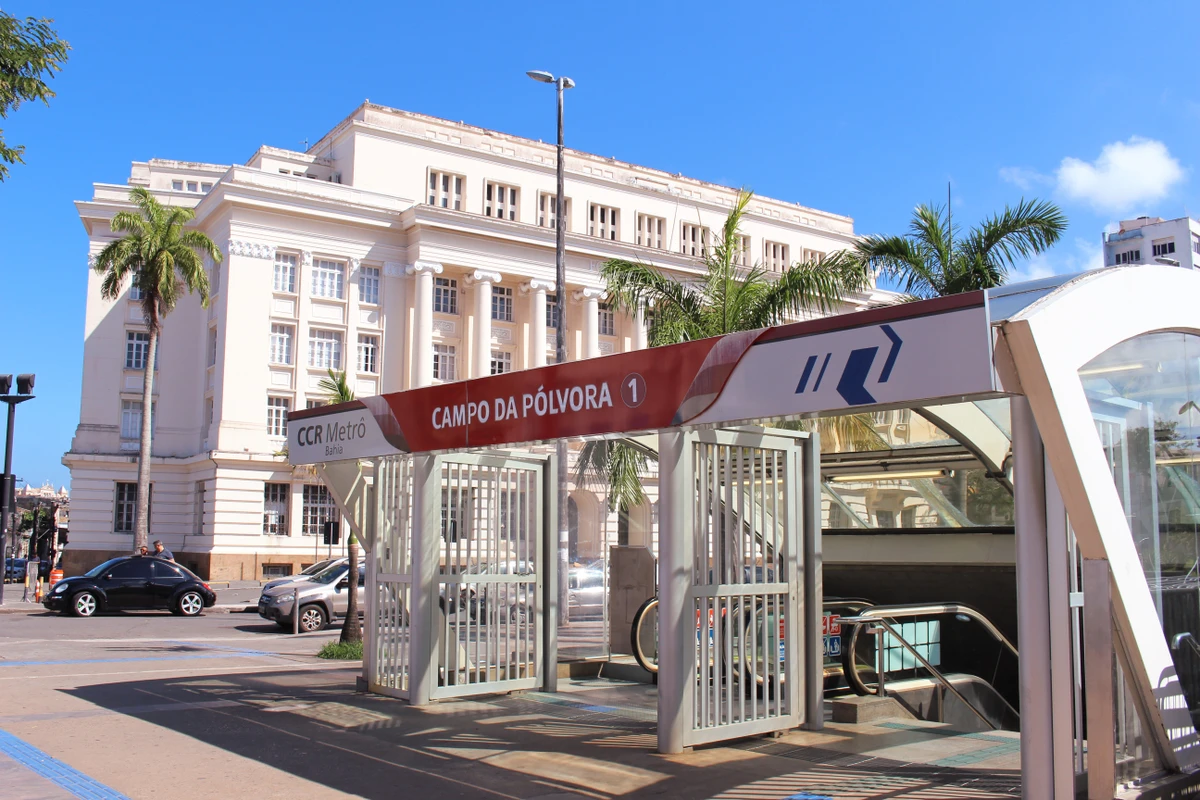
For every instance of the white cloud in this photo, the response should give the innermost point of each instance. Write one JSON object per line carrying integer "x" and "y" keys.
{"x": 1126, "y": 175}
{"x": 1026, "y": 179}
{"x": 1086, "y": 255}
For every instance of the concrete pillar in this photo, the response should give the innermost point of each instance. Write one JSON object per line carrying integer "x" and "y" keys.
{"x": 1033, "y": 606}
{"x": 536, "y": 289}
{"x": 640, "y": 331}
{"x": 676, "y": 615}
{"x": 813, "y": 583}
{"x": 423, "y": 272}
{"x": 482, "y": 344}
{"x": 426, "y": 550}
{"x": 591, "y": 320}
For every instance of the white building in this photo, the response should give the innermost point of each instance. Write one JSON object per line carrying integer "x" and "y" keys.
{"x": 1153, "y": 240}
{"x": 401, "y": 248}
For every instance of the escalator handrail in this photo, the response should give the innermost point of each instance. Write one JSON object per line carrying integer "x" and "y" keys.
{"x": 938, "y": 676}
{"x": 879, "y": 613}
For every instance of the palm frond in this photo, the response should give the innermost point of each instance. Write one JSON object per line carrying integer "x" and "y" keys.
{"x": 336, "y": 387}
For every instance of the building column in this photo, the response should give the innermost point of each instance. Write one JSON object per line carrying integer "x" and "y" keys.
{"x": 591, "y": 320}
{"x": 423, "y": 272}
{"x": 482, "y": 281}
{"x": 640, "y": 333}
{"x": 536, "y": 289}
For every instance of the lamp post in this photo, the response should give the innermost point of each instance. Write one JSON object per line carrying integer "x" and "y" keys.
{"x": 561, "y": 84}
{"x": 24, "y": 392}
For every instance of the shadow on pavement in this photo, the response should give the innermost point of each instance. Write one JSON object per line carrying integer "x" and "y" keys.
{"x": 592, "y": 742}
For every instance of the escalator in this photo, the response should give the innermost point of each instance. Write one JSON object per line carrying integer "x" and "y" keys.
{"x": 936, "y": 662}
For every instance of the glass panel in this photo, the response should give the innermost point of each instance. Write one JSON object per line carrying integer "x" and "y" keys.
{"x": 932, "y": 498}
{"x": 1145, "y": 399}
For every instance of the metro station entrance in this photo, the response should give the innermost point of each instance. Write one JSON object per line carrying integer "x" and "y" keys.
{"x": 464, "y": 596}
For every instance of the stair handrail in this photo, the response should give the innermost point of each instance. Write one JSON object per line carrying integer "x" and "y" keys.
{"x": 938, "y": 676}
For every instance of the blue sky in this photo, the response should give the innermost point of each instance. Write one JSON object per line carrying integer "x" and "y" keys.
{"x": 863, "y": 109}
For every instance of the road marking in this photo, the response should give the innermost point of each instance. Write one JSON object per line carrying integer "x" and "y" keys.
{"x": 56, "y": 771}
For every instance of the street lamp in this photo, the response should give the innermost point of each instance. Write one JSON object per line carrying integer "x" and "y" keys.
{"x": 24, "y": 392}
{"x": 560, "y": 333}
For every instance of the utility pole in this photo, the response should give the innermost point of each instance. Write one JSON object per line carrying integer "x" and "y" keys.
{"x": 24, "y": 392}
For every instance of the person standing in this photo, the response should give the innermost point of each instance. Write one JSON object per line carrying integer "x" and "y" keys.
{"x": 162, "y": 552}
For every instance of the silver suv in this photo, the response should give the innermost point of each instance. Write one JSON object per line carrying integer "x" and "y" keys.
{"x": 322, "y": 597}
{"x": 309, "y": 572}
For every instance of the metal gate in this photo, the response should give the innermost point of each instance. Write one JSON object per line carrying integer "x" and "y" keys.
{"x": 389, "y": 582}
{"x": 488, "y": 635}
{"x": 746, "y": 585}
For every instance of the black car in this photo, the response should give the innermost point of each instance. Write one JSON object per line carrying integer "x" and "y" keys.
{"x": 132, "y": 583}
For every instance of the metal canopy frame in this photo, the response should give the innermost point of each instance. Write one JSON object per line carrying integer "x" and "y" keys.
{"x": 1028, "y": 339}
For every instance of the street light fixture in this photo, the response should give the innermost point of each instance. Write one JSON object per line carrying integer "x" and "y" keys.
{"x": 24, "y": 392}
{"x": 561, "y": 83}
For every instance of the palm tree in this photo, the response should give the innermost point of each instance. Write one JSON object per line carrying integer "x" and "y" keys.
{"x": 339, "y": 391}
{"x": 164, "y": 259}
{"x": 932, "y": 260}
{"x": 729, "y": 297}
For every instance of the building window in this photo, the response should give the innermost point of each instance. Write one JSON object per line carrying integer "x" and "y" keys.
{"x": 1196, "y": 244}
{"x": 1128, "y": 257}
{"x": 608, "y": 321}
{"x": 277, "y": 411}
{"x": 1164, "y": 248}
{"x": 318, "y": 508}
{"x": 125, "y": 509}
{"x": 193, "y": 186}
{"x": 813, "y": 256}
{"x": 208, "y": 411}
{"x": 775, "y": 256}
{"x": 212, "y": 347}
{"x": 551, "y": 311}
{"x": 316, "y": 403}
{"x": 445, "y": 296}
{"x": 325, "y": 349}
{"x": 548, "y": 210}
{"x": 741, "y": 250}
{"x": 368, "y": 285}
{"x": 281, "y": 344}
{"x": 135, "y": 292}
{"x": 131, "y": 419}
{"x": 501, "y": 362}
{"x": 276, "y": 498}
{"x": 502, "y": 303}
{"x": 500, "y": 201}
{"x": 136, "y": 346}
{"x": 285, "y": 273}
{"x": 368, "y": 353}
{"x": 445, "y": 190}
{"x": 602, "y": 221}
{"x": 443, "y": 362}
{"x": 206, "y": 187}
{"x": 694, "y": 240}
{"x": 328, "y": 279}
{"x": 177, "y": 186}
{"x": 651, "y": 231}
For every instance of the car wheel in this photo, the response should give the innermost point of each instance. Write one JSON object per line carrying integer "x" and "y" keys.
{"x": 190, "y": 604}
{"x": 312, "y": 618}
{"x": 84, "y": 604}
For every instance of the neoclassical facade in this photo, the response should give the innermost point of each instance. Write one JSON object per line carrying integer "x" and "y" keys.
{"x": 403, "y": 249}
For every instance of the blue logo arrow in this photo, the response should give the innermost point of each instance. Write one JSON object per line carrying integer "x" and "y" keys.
{"x": 852, "y": 385}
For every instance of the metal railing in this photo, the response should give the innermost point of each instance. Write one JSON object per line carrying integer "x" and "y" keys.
{"x": 880, "y": 616}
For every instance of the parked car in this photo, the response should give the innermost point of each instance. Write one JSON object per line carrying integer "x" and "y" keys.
{"x": 306, "y": 573}
{"x": 320, "y": 598}
{"x": 132, "y": 583}
{"x": 14, "y": 570}
{"x": 585, "y": 593}
{"x": 478, "y": 597}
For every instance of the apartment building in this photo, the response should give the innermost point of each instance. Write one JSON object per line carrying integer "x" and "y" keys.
{"x": 1153, "y": 240}
{"x": 403, "y": 249}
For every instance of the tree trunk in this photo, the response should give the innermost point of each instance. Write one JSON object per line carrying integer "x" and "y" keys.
{"x": 141, "y": 528}
{"x": 351, "y": 632}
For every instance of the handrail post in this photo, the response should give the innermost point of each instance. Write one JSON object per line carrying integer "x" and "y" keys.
{"x": 880, "y": 658}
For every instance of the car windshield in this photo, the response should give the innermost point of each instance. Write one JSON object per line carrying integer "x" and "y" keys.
{"x": 330, "y": 575}
{"x": 317, "y": 568}
{"x": 100, "y": 569}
